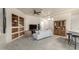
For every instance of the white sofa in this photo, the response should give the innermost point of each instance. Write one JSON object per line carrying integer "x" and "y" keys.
{"x": 42, "y": 34}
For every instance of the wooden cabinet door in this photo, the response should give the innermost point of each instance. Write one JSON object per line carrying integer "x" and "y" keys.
{"x": 56, "y": 28}
{"x": 63, "y": 31}
{"x": 59, "y": 28}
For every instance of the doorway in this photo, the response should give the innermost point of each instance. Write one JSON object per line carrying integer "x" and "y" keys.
{"x": 60, "y": 27}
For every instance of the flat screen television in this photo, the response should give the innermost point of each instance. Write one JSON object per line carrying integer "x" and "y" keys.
{"x": 32, "y": 26}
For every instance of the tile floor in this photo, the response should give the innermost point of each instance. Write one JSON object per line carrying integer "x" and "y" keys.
{"x": 50, "y": 43}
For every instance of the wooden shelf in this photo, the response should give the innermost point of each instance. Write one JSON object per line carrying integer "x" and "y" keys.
{"x": 14, "y": 30}
{"x": 14, "y": 26}
{"x": 60, "y": 28}
{"x": 21, "y": 29}
{"x": 21, "y": 21}
{"x": 14, "y": 36}
{"x": 21, "y": 33}
{"x": 14, "y": 20}
{"x": 17, "y": 26}
{"x": 18, "y": 32}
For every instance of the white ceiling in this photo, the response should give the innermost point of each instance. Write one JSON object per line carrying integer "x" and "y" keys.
{"x": 44, "y": 11}
{"x": 29, "y": 10}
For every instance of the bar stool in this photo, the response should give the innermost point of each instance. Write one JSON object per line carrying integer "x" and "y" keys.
{"x": 69, "y": 37}
{"x": 75, "y": 40}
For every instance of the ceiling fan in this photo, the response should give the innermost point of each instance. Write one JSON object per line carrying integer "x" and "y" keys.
{"x": 37, "y": 12}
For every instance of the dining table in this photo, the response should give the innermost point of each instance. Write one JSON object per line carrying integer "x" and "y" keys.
{"x": 72, "y": 35}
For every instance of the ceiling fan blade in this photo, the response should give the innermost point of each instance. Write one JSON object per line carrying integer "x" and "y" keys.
{"x": 35, "y": 12}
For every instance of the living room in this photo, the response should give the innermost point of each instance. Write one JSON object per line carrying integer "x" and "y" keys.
{"x": 39, "y": 29}
{"x": 45, "y": 21}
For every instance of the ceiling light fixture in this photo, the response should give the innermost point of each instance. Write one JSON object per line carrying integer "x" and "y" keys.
{"x": 50, "y": 18}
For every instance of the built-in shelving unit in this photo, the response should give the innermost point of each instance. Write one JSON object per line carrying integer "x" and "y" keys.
{"x": 21, "y": 26}
{"x": 60, "y": 27}
{"x": 17, "y": 26}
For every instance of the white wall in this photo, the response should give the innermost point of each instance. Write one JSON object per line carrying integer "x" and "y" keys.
{"x": 1, "y": 20}
{"x": 31, "y": 20}
{"x": 75, "y": 21}
{"x": 64, "y": 16}
{"x": 9, "y": 12}
{"x": 46, "y": 24}
{"x": 37, "y": 20}
{"x": 2, "y": 38}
